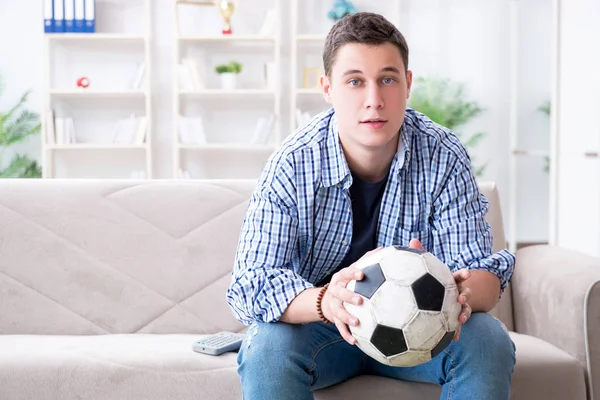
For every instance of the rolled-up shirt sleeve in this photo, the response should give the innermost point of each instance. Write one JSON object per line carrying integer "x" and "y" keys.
{"x": 462, "y": 237}
{"x": 263, "y": 283}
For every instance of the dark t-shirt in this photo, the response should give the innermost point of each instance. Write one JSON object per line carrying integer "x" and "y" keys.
{"x": 366, "y": 203}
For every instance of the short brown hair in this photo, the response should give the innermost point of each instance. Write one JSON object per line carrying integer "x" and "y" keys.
{"x": 363, "y": 27}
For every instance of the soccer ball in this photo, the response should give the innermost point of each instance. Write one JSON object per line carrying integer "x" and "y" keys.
{"x": 410, "y": 308}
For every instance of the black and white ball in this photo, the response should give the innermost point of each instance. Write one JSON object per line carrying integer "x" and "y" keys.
{"x": 410, "y": 308}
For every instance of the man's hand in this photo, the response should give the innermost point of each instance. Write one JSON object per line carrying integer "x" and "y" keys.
{"x": 464, "y": 294}
{"x": 336, "y": 294}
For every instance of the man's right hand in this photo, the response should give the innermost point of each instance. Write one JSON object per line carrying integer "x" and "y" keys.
{"x": 336, "y": 294}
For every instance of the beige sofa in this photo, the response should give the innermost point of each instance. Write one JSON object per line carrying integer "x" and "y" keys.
{"x": 104, "y": 285}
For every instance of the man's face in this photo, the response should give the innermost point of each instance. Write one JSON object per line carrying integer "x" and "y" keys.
{"x": 368, "y": 88}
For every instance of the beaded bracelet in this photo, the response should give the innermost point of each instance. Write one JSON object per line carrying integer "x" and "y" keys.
{"x": 319, "y": 299}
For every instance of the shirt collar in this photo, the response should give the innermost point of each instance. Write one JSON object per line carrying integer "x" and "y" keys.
{"x": 335, "y": 170}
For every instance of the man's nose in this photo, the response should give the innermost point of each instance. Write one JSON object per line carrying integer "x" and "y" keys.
{"x": 374, "y": 97}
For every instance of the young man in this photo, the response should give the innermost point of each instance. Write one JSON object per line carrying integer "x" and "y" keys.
{"x": 366, "y": 174}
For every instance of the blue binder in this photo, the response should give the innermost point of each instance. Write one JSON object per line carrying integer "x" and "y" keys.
{"x": 48, "y": 16}
{"x": 59, "y": 16}
{"x": 90, "y": 16}
{"x": 69, "y": 15}
{"x": 79, "y": 16}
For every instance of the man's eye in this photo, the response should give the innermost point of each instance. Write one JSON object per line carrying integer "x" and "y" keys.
{"x": 388, "y": 81}
{"x": 353, "y": 82}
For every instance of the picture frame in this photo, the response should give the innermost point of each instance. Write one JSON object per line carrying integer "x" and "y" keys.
{"x": 311, "y": 78}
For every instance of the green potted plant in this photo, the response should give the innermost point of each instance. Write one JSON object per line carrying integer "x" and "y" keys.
{"x": 16, "y": 125}
{"x": 228, "y": 73}
{"x": 443, "y": 102}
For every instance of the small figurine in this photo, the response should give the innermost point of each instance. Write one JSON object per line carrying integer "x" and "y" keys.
{"x": 83, "y": 82}
{"x": 340, "y": 9}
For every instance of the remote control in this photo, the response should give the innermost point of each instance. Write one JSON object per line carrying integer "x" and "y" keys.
{"x": 218, "y": 343}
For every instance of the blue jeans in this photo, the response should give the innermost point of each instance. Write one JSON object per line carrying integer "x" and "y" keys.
{"x": 284, "y": 361}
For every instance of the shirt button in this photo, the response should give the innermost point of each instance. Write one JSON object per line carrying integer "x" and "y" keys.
{"x": 344, "y": 242}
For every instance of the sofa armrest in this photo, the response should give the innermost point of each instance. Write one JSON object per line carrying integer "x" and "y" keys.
{"x": 556, "y": 297}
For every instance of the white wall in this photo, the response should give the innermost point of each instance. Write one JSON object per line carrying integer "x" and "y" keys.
{"x": 20, "y": 62}
{"x": 466, "y": 40}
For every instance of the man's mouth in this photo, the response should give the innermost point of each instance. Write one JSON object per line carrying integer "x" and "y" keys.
{"x": 374, "y": 123}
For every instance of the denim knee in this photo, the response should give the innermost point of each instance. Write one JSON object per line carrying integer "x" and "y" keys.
{"x": 272, "y": 345}
{"x": 484, "y": 341}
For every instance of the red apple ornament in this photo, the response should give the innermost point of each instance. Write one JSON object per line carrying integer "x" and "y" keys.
{"x": 83, "y": 82}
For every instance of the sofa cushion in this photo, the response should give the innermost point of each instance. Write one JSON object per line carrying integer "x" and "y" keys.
{"x": 149, "y": 366}
{"x": 107, "y": 367}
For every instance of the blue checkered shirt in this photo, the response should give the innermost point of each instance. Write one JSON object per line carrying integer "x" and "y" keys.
{"x": 298, "y": 225}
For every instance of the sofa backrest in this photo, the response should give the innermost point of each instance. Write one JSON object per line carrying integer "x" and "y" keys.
{"x": 104, "y": 256}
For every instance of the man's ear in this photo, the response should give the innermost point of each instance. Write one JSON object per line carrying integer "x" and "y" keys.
{"x": 326, "y": 88}
{"x": 408, "y": 82}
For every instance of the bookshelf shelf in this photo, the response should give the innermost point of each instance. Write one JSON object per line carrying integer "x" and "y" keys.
{"x": 309, "y": 91}
{"x": 91, "y": 146}
{"x": 227, "y": 147}
{"x": 83, "y": 37}
{"x": 229, "y": 38}
{"x": 228, "y": 93}
{"x": 97, "y": 93}
{"x": 310, "y": 38}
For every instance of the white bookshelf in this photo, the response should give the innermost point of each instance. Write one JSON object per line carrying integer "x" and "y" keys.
{"x": 308, "y": 30}
{"x": 111, "y": 58}
{"x": 221, "y": 145}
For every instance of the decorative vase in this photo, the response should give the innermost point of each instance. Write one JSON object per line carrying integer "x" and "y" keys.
{"x": 228, "y": 81}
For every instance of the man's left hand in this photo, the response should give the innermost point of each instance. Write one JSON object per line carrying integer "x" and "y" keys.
{"x": 464, "y": 293}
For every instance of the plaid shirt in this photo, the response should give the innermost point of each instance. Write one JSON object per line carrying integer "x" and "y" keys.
{"x": 298, "y": 226}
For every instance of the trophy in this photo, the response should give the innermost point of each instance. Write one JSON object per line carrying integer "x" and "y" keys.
{"x": 226, "y": 8}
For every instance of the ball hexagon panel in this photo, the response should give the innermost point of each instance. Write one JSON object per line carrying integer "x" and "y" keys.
{"x": 425, "y": 330}
{"x": 393, "y": 305}
{"x": 403, "y": 267}
{"x": 439, "y": 270}
{"x": 373, "y": 278}
{"x": 367, "y": 347}
{"x": 410, "y": 359}
{"x": 389, "y": 341}
{"x": 366, "y": 319}
{"x": 429, "y": 293}
{"x": 442, "y": 344}
{"x": 451, "y": 308}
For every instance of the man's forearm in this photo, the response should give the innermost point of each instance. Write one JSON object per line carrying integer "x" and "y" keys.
{"x": 485, "y": 290}
{"x": 484, "y": 285}
{"x": 303, "y": 308}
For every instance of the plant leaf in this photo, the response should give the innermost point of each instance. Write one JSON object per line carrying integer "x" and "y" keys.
{"x": 474, "y": 139}
{"x": 26, "y": 124}
{"x": 9, "y": 114}
{"x": 21, "y": 166}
